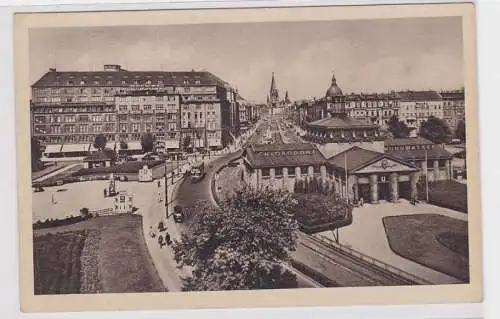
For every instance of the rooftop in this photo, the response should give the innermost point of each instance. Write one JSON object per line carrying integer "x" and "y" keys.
{"x": 341, "y": 122}
{"x": 408, "y": 141}
{"x": 120, "y": 77}
{"x": 437, "y": 152}
{"x": 419, "y": 96}
{"x": 283, "y": 155}
{"x": 357, "y": 157}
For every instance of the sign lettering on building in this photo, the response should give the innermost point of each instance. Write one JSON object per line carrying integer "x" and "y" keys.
{"x": 287, "y": 153}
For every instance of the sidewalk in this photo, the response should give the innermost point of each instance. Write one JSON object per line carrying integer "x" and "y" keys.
{"x": 367, "y": 235}
{"x": 163, "y": 258}
{"x": 58, "y": 171}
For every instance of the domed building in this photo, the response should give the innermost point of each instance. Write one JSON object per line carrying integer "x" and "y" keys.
{"x": 335, "y": 125}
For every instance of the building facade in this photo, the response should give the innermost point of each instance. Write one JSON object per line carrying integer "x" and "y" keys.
{"x": 415, "y": 107}
{"x": 71, "y": 108}
{"x": 453, "y": 107}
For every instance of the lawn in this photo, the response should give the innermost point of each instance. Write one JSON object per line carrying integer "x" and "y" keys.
{"x": 449, "y": 194}
{"x": 435, "y": 241}
{"x": 115, "y": 258}
{"x": 57, "y": 262}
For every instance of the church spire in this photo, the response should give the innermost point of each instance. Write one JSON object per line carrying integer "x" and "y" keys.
{"x": 334, "y": 81}
{"x": 274, "y": 91}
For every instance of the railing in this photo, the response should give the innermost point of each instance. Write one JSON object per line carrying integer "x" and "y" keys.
{"x": 102, "y": 212}
{"x": 374, "y": 261}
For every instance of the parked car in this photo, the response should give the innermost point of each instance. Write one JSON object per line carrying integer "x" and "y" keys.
{"x": 178, "y": 214}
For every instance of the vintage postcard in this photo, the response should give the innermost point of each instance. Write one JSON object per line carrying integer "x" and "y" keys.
{"x": 269, "y": 157}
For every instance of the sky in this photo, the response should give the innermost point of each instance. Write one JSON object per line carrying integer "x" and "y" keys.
{"x": 365, "y": 55}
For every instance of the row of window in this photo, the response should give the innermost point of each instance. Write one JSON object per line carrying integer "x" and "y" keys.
{"x": 76, "y": 109}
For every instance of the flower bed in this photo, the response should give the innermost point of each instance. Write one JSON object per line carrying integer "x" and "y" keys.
{"x": 48, "y": 223}
{"x": 57, "y": 262}
{"x": 449, "y": 194}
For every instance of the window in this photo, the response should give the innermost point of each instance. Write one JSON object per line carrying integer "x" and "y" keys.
{"x": 159, "y": 108}
{"x": 148, "y": 108}
{"x": 304, "y": 170}
{"x": 135, "y": 108}
{"x": 266, "y": 172}
{"x": 278, "y": 171}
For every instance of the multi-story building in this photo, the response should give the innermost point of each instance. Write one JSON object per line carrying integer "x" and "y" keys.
{"x": 374, "y": 108}
{"x": 69, "y": 109}
{"x": 454, "y": 107}
{"x": 416, "y": 107}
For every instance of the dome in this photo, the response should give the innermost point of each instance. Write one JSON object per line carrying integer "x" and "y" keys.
{"x": 333, "y": 90}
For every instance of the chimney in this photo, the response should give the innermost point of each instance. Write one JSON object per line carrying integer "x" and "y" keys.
{"x": 52, "y": 69}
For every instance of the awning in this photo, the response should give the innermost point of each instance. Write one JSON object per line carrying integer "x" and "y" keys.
{"x": 75, "y": 148}
{"x": 171, "y": 143}
{"x": 53, "y": 148}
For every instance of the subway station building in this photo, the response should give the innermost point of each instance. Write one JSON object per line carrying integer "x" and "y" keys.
{"x": 354, "y": 173}
{"x": 349, "y": 156}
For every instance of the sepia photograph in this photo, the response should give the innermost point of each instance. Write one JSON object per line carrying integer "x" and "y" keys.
{"x": 293, "y": 153}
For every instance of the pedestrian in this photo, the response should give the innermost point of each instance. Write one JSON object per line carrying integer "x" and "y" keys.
{"x": 160, "y": 241}
{"x": 105, "y": 193}
{"x": 159, "y": 184}
{"x": 361, "y": 202}
{"x": 167, "y": 239}
{"x": 151, "y": 232}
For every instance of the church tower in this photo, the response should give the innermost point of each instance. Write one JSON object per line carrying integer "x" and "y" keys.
{"x": 273, "y": 93}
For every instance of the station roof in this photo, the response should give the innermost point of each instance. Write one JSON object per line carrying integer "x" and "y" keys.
{"x": 437, "y": 152}
{"x": 357, "y": 158}
{"x": 344, "y": 122}
{"x": 283, "y": 155}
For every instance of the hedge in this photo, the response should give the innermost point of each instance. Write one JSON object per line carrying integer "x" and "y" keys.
{"x": 48, "y": 223}
{"x": 449, "y": 194}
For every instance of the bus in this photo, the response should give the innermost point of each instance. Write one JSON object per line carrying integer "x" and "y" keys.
{"x": 197, "y": 171}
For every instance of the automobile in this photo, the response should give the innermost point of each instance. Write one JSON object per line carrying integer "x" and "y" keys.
{"x": 178, "y": 214}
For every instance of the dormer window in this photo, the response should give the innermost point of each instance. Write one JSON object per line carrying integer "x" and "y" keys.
{"x": 82, "y": 82}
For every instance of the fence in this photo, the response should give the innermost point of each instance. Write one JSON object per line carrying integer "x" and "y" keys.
{"x": 371, "y": 260}
{"x": 102, "y": 212}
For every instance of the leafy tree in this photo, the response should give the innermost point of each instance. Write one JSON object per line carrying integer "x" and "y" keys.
{"x": 100, "y": 142}
{"x": 460, "y": 132}
{"x": 36, "y": 153}
{"x": 147, "y": 142}
{"x": 111, "y": 154}
{"x": 435, "y": 129}
{"x": 398, "y": 128}
{"x": 240, "y": 245}
{"x": 123, "y": 145}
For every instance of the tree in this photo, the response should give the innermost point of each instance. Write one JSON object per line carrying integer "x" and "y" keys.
{"x": 241, "y": 244}
{"x": 436, "y": 130}
{"x": 36, "y": 153}
{"x": 100, "y": 142}
{"x": 111, "y": 154}
{"x": 460, "y": 132}
{"x": 123, "y": 145}
{"x": 398, "y": 128}
{"x": 147, "y": 142}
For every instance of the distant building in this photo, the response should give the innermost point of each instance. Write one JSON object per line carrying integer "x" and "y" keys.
{"x": 454, "y": 107}
{"x": 416, "y": 107}
{"x": 124, "y": 203}
{"x": 97, "y": 159}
